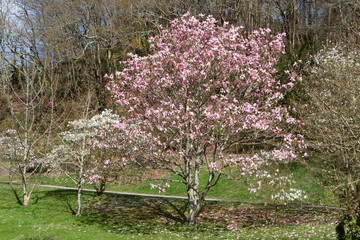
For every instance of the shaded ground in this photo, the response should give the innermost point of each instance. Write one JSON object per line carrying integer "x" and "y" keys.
{"x": 141, "y": 215}
{"x": 239, "y": 216}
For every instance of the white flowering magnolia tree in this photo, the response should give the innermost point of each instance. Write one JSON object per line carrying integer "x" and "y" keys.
{"x": 204, "y": 89}
{"x": 332, "y": 114}
{"x": 88, "y": 154}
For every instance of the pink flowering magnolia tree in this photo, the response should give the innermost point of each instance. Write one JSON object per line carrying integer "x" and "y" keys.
{"x": 204, "y": 89}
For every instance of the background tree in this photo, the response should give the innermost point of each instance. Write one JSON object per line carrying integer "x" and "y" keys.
{"x": 80, "y": 40}
{"x": 305, "y": 21}
{"x": 86, "y": 39}
{"x": 331, "y": 113}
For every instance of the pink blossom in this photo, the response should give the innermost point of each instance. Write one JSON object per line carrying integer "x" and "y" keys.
{"x": 204, "y": 88}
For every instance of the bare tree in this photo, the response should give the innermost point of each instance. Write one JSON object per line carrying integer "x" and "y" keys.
{"x": 30, "y": 106}
{"x": 29, "y": 92}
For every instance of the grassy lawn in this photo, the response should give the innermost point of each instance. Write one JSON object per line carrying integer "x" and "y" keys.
{"x": 51, "y": 216}
{"x": 230, "y": 186}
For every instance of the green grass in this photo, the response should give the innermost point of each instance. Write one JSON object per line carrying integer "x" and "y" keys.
{"x": 230, "y": 186}
{"x": 234, "y": 187}
{"x": 50, "y": 215}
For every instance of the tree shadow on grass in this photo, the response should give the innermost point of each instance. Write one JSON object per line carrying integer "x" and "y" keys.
{"x": 16, "y": 194}
{"x": 12, "y": 189}
{"x": 135, "y": 214}
{"x": 65, "y": 199}
{"x": 238, "y": 216}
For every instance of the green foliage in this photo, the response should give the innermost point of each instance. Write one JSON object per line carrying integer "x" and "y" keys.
{"x": 349, "y": 223}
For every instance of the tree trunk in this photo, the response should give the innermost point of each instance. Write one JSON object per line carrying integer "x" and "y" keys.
{"x": 78, "y": 213}
{"x": 26, "y": 196}
{"x": 194, "y": 206}
{"x": 195, "y": 202}
{"x": 101, "y": 189}
{"x": 26, "y": 200}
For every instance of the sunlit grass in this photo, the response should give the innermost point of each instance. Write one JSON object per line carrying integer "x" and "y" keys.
{"x": 230, "y": 186}
{"x": 51, "y": 216}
